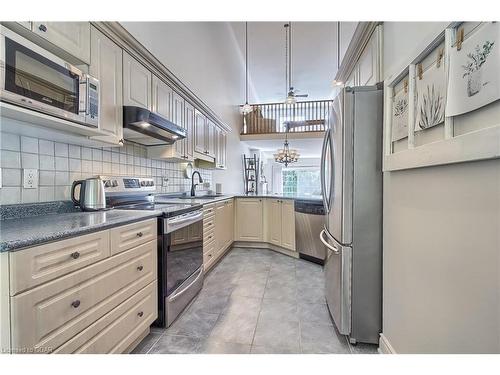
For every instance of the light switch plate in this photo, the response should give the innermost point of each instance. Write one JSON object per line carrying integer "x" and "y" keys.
{"x": 30, "y": 178}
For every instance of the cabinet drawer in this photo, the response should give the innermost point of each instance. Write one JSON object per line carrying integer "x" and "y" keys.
{"x": 208, "y": 223}
{"x": 48, "y": 315}
{"x": 34, "y": 266}
{"x": 208, "y": 210}
{"x": 209, "y": 254}
{"x": 132, "y": 235}
{"x": 115, "y": 331}
{"x": 208, "y": 236}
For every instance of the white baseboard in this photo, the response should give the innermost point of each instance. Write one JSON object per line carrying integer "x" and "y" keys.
{"x": 385, "y": 346}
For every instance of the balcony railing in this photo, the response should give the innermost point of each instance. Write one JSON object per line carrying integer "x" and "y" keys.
{"x": 310, "y": 116}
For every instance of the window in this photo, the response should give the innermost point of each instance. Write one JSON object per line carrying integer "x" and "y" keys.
{"x": 301, "y": 180}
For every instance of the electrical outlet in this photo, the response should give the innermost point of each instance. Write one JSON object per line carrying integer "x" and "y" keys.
{"x": 30, "y": 178}
{"x": 164, "y": 181}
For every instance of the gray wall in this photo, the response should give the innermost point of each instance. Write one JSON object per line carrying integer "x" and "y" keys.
{"x": 441, "y": 242}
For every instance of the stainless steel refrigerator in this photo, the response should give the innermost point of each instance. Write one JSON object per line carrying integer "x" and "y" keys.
{"x": 351, "y": 177}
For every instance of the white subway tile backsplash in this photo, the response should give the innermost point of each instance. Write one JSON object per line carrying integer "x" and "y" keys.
{"x": 46, "y": 147}
{"x": 29, "y": 160}
{"x": 11, "y": 177}
{"x": 60, "y": 164}
{"x": 29, "y": 144}
{"x": 10, "y": 159}
{"x": 47, "y": 178}
{"x": 61, "y": 149}
{"x": 46, "y": 193}
{"x": 47, "y": 163}
{"x": 75, "y": 152}
{"x": 29, "y": 195}
{"x": 86, "y": 153}
{"x": 96, "y": 154}
{"x": 10, "y": 142}
{"x": 10, "y": 195}
{"x": 75, "y": 165}
{"x": 86, "y": 166}
{"x": 62, "y": 178}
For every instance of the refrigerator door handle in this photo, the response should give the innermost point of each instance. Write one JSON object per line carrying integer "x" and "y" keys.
{"x": 323, "y": 161}
{"x": 332, "y": 248}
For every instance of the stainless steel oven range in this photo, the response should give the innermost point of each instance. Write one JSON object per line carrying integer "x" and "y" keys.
{"x": 180, "y": 242}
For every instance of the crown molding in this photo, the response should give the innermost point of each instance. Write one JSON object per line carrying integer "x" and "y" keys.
{"x": 116, "y": 32}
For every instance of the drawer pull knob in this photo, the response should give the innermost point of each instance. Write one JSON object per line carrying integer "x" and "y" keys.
{"x": 209, "y": 224}
{"x": 140, "y": 268}
{"x": 76, "y": 303}
{"x": 75, "y": 255}
{"x": 140, "y": 234}
{"x": 42, "y": 27}
{"x": 209, "y": 255}
{"x": 140, "y": 314}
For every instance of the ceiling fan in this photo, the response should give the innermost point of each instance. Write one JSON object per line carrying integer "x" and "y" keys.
{"x": 292, "y": 95}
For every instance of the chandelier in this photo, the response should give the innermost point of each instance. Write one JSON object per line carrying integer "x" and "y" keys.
{"x": 247, "y": 108}
{"x": 285, "y": 155}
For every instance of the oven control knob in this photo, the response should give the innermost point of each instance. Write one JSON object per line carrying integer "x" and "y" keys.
{"x": 114, "y": 183}
{"x": 107, "y": 183}
{"x": 150, "y": 183}
{"x": 143, "y": 183}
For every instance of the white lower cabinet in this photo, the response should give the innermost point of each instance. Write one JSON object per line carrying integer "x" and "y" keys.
{"x": 217, "y": 231}
{"x": 249, "y": 224}
{"x": 279, "y": 222}
{"x": 101, "y": 305}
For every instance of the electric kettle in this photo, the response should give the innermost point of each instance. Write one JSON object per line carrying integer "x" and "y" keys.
{"x": 92, "y": 197}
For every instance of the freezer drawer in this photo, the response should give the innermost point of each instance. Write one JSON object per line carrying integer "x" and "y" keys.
{"x": 338, "y": 265}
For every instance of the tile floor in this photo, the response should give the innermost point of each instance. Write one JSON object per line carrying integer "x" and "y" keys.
{"x": 255, "y": 301}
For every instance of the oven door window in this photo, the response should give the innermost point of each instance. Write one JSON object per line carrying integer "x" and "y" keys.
{"x": 184, "y": 254}
{"x": 33, "y": 76}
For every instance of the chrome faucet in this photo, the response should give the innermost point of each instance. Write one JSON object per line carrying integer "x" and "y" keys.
{"x": 193, "y": 185}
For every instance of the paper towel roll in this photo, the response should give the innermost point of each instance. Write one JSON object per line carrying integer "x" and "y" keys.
{"x": 218, "y": 188}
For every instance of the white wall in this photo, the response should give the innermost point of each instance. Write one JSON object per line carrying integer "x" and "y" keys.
{"x": 441, "y": 242}
{"x": 205, "y": 56}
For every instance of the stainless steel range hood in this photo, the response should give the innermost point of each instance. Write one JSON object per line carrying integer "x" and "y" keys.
{"x": 149, "y": 129}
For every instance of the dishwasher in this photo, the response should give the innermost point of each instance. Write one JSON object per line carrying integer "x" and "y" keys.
{"x": 309, "y": 221}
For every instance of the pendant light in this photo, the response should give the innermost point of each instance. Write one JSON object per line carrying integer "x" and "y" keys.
{"x": 290, "y": 99}
{"x": 285, "y": 155}
{"x": 247, "y": 108}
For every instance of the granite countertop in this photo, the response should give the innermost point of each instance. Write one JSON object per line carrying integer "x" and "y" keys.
{"x": 19, "y": 233}
{"x": 202, "y": 201}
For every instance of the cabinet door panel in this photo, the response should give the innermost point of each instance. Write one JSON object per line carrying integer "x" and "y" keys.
{"x": 189, "y": 126}
{"x": 199, "y": 132}
{"x": 136, "y": 83}
{"x": 72, "y": 37}
{"x": 288, "y": 224}
{"x": 178, "y": 119}
{"x": 210, "y": 139}
{"x": 249, "y": 219}
{"x": 162, "y": 98}
{"x": 274, "y": 221}
{"x": 106, "y": 65}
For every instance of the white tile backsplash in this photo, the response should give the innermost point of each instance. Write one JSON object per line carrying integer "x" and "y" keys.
{"x": 29, "y": 144}
{"x": 60, "y": 164}
{"x": 10, "y": 142}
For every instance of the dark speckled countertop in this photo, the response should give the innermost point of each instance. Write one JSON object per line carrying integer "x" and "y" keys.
{"x": 19, "y": 233}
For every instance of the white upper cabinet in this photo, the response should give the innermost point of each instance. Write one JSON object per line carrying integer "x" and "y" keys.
{"x": 189, "y": 126}
{"x": 368, "y": 63}
{"x": 106, "y": 66}
{"x": 137, "y": 83}
{"x": 347, "y": 30}
{"x": 162, "y": 98}
{"x": 178, "y": 119}
{"x": 72, "y": 37}
{"x": 211, "y": 138}
{"x": 199, "y": 132}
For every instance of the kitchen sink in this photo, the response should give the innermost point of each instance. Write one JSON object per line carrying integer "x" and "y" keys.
{"x": 201, "y": 197}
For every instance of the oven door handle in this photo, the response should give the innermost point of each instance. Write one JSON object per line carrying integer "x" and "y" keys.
{"x": 177, "y": 223}
{"x": 187, "y": 287}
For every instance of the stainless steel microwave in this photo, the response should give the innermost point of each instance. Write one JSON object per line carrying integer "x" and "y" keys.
{"x": 36, "y": 79}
